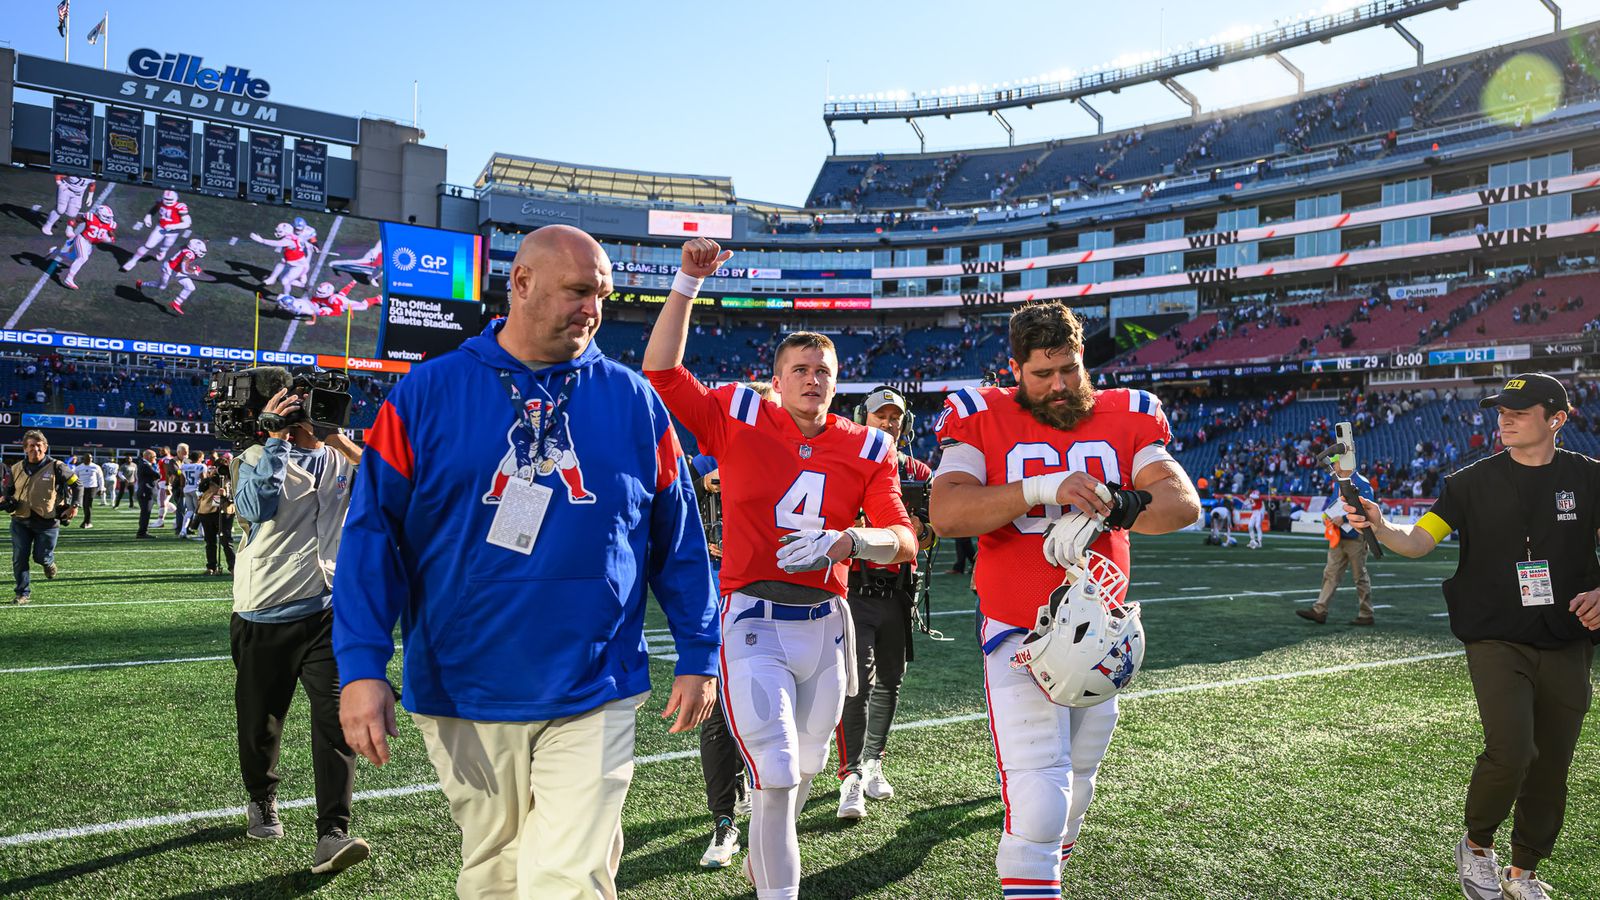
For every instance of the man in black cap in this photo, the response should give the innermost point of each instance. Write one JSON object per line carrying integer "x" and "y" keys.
{"x": 1525, "y": 602}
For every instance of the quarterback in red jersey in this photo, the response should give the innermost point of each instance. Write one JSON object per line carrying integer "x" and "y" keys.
{"x": 794, "y": 478}
{"x": 1015, "y": 460}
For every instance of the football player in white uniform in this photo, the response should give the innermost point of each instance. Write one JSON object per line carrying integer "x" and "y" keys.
{"x": 100, "y": 228}
{"x": 294, "y": 266}
{"x": 330, "y": 302}
{"x": 167, "y": 221}
{"x": 184, "y": 265}
{"x": 73, "y": 193}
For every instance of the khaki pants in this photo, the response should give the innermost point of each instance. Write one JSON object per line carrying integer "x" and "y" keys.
{"x": 1350, "y": 552}
{"x": 539, "y": 804}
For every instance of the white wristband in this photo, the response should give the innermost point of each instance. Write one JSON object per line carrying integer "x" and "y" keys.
{"x": 1040, "y": 490}
{"x": 686, "y": 284}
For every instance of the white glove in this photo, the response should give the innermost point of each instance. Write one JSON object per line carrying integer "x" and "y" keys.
{"x": 807, "y": 550}
{"x": 1067, "y": 539}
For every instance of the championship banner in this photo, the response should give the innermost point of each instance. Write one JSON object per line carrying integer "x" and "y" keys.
{"x": 174, "y": 163}
{"x": 219, "y": 152}
{"x": 124, "y": 150}
{"x": 71, "y": 127}
{"x": 265, "y": 183}
{"x": 310, "y": 174}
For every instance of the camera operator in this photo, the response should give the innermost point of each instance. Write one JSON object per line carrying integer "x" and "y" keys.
{"x": 44, "y": 493}
{"x": 293, "y": 493}
{"x": 147, "y": 482}
{"x": 881, "y": 600}
{"x": 215, "y": 507}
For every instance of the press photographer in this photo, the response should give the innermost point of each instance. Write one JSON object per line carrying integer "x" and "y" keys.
{"x": 882, "y": 599}
{"x": 43, "y": 493}
{"x": 292, "y": 494}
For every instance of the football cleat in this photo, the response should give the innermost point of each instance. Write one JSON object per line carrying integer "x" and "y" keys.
{"x": 724, "y": 845}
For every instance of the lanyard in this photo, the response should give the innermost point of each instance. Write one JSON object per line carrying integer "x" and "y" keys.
{"x": 520, "y": 409}
{"x": 1530, "y": 511}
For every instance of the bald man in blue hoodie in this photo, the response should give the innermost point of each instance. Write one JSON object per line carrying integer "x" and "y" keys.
{"x": 520, "y": 495}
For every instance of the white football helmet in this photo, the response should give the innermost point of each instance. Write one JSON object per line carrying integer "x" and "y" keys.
{"x": 104, "y": 214}
{"x": 325, "y": 289}
{"x": 169, "y": 197}
{"x": 283, "y": 230}
{"x": 197, "y": 246}
{"x": 1085, "y": 646}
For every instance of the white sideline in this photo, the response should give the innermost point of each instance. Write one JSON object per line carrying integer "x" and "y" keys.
{"x": 76, "y": 831}
{"x": 649, "y": 632}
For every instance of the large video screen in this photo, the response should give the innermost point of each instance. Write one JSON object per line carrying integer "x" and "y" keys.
{"x": 122, "y": 280}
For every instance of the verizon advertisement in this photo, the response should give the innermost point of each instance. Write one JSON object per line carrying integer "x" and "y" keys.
{"x": 1470, "y": 200}
{"x": 672, "y": 223}
{"x": 1465, "y": 243}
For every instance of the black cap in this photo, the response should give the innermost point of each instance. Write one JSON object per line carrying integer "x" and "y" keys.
{"x": 1526, "y": 391}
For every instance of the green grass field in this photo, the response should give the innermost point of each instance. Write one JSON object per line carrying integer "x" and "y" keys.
{"x": 1260, "y": 756}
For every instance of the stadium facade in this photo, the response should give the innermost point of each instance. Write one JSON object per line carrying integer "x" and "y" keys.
{"x": 1417, "y": 185}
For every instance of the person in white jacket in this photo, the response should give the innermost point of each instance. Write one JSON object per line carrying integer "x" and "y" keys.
{"x": 93, "y": 478}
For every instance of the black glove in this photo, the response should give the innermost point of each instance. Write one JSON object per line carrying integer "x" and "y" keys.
{"x": 1125, "y": 506}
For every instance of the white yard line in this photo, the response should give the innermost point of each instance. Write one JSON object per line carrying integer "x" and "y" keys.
{"x": 49, "y": 270}
{"x": 79, "y": 831}
{"x": 37, "y": 605}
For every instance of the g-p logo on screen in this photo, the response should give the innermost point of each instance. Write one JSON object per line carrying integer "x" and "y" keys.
{"x": 405, "y": 259}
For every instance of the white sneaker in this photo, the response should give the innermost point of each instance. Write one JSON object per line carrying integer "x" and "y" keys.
{"x": 852, "y": 804}
{"x": 724, "y": 844}
{"x": 873, "y": 782}
{"x": 1525, "y": 888}
{"x": 1480, "y": 875}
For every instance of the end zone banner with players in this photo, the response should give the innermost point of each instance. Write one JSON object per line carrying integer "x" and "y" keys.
{"x": 71, "y": 127}
{"x": 431, "y": 285}
{"x": 174, "y": 160}
{"x": 310, "y": 174}
{"x": 219, "y": 154}
{"x": 124, "y": 150}
{"x": 266, "y": 167}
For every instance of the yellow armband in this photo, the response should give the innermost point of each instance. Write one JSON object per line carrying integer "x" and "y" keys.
{"x": 1432, "y": 524}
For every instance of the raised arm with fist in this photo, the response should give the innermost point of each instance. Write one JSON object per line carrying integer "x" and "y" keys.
{"x": 702, "y": 257}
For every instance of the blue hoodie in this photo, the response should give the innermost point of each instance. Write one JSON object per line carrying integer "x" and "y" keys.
{"x": 489, "y": 633}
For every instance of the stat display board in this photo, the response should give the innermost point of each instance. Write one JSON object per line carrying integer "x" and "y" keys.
{"x": 432, "y": 284}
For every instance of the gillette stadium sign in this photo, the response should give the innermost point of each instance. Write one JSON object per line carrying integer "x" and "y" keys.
{"x": 182, "y": 84}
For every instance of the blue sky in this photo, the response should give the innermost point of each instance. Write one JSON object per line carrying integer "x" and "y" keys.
{"x": 730, "y": 88}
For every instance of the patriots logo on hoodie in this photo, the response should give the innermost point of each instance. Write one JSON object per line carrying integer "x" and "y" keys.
{"x": 524, "y": 460}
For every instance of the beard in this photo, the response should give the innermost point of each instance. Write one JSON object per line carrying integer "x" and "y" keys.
{"x": 1065, "y": 417}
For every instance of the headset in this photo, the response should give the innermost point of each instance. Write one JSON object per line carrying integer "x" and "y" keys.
{"x": 907, "y": 422}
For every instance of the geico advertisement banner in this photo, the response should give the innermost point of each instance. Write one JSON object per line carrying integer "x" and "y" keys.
{"x": 159, "y": 348}
{"x": 1465, "y": 243}
{"x": 1470, "y": 200}
{"x": 429, "y": 262}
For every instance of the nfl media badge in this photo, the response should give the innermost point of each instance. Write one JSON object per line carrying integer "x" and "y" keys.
{"x": 1566, "y": 501}
{"x": 805, "y": 453}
